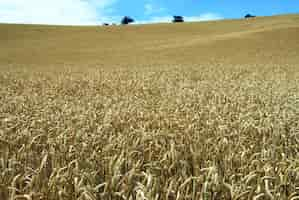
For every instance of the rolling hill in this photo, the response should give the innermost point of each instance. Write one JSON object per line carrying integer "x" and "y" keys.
{"x": 263, "y": 39}
{"x": 197, "y": 111}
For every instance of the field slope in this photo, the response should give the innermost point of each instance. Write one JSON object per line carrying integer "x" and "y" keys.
{"x": 253, "y": 40}
{"x": 193, "y": 111}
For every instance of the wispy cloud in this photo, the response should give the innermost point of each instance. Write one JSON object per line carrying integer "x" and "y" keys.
{"x": 60, "y": 12}
{"x": 81, "y": 12}
{"x": 168, "y": 18}
{"x": 151, "y": 8}
{"x": 204, "y": 17}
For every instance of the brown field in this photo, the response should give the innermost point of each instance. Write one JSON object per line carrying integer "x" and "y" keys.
{"x": 193, "y": 111}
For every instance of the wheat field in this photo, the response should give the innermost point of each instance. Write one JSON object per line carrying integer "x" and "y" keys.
{"x": 195, "y": 111}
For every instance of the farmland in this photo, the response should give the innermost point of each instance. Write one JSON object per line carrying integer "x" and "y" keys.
{"x": 201, "y": 111}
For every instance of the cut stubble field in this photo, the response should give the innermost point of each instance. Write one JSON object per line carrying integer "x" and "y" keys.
{"x": 159, "y": 112}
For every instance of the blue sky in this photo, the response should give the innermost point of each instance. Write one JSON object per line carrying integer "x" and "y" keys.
{"x": 93, "y": 12}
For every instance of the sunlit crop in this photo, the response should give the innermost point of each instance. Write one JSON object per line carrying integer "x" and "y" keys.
{"x": 154, "y": 132}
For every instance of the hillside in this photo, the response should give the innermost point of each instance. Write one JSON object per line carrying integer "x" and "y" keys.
{"x": 257, "y": 40}
{"x": 193, "y": 111}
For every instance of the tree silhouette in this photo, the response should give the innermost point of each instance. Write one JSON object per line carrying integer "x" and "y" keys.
{"x": 177, "y": 19}
{"x": 249, "y": 16}
{"x": 127, "y": 20}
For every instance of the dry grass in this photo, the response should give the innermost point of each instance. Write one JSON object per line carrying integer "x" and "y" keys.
{"x": 256, "y": 41}
{"x": 191, "y": 130}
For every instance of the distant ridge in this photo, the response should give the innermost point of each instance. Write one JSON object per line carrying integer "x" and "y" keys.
{"x": 263, "y": 39}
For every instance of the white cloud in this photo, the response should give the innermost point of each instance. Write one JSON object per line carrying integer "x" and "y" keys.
{"x": 204, "y": 17}
{"x": 161, "y": 19}
{"x": 150, "y": 8}
{"x": 60, "y": 12}
{"x": 168, "y": 18}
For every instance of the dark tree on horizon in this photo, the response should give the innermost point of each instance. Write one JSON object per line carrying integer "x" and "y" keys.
{"x": 177, "y": 19}
{"x": 127, "y": 20}
{"x": 249, "y": 16}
